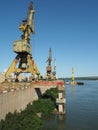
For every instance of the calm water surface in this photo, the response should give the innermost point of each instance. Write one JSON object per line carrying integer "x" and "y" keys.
{"x": 81, "y": 109}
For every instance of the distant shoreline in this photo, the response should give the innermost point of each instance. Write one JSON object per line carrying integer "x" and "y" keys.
{"x": 82, "y": 78}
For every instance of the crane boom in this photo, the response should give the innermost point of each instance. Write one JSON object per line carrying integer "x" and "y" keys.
{"x": 27, "y": 25}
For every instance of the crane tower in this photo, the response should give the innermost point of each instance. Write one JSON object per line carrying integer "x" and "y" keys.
{"x": 73, "y": 79}
{"x": 23, "y": 62}
{"x": 50, "y": 75}
{"x": 72, "y": 74}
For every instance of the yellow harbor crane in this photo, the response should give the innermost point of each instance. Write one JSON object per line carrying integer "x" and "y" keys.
{"x": 23, "y": 62}
{"x": 73, "y": 79}
{"x": 73, "y": 75}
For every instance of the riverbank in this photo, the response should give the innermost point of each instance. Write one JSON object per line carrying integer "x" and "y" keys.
{"x": 30, "y": 117}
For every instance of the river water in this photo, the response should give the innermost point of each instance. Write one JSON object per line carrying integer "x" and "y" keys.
{"x": 81, "y": 109}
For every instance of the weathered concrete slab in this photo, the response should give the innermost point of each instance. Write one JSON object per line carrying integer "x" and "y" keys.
{"x": 16, "y": 100}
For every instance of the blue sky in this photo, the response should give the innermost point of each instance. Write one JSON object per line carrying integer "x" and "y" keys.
{"x": 69, "y": 27}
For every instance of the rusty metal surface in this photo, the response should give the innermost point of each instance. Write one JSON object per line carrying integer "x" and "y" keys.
{"x": 14, "y": 86}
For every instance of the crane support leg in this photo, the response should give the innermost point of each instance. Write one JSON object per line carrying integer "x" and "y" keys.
{"x": 11, "y": 69}
{"x": 32, "y": 68}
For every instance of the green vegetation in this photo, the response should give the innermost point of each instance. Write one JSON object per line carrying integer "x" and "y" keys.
{"x": 28, "y": 119}
{"x": 25, "y": 120}
{"x": 51, "y": 93}
{"x": 44, "y": 106}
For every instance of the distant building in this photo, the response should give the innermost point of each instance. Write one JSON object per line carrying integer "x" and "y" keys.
{"x": 2, "y": 77}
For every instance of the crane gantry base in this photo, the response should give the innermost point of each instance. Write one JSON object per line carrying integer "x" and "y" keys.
{"x": 28, "y": 66}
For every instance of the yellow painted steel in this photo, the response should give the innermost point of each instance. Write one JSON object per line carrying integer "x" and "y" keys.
{"x": 73, "y": 79}
{"x": 23, "y": 49}
{"x": 11, "y": 68}
{"x": 72, "y": 74}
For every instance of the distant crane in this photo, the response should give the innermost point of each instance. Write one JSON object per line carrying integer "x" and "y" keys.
{"x": 50, "y": 75}
{"x": 54, "y": 69}
{"x": 23, "y": 49}
{"x": 49, "y": 68}
{"x": 73, "y": 79}
{"x": 73, "y": 75}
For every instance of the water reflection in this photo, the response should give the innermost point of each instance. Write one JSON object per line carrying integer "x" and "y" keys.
{"x": 55, "y": 122}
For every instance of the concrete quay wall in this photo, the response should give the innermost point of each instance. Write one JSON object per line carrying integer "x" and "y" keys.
{"x": 17, "y": 99}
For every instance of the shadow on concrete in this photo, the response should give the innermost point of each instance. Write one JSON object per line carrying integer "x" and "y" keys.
{"x": 38, "y": 91}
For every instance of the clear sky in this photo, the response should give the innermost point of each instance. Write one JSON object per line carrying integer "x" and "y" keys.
{"x": 68, "y": 27}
